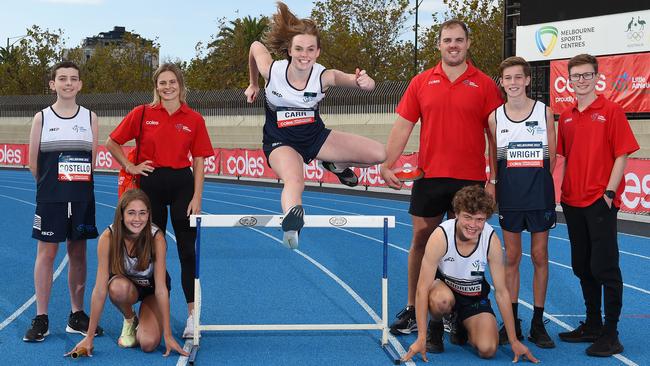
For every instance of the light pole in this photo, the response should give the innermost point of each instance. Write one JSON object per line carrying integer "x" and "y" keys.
{"x": 415, "y": 58}
{"x": 17, "y": 39}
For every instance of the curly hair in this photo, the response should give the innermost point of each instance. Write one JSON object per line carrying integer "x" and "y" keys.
{"x": 473, "y": 200}
{"x": 284, "y": 26}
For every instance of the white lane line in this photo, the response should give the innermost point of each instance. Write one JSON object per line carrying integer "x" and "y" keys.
{"x": 32, "y": 299}
{"x": 406, "y": 250}
{"x": 566, "y": 326}
{"x": 391, "y": 339}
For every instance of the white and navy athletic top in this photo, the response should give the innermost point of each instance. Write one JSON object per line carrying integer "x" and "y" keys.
{"x": 292, "y": 114}
{"x": 140, "y": 278}
{"x": 65, "y": 171}
{"x": 523, "y": 165}
{"x": 465, "y": 276}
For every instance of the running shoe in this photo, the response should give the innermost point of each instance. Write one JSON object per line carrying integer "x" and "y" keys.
{"x": 346, "y": 175}
{"x": 583, "y": 333}
{"x": 539, "y": 336}
{"x": 292, "y": 222}
{"x": 188, "y": 332}
{"x": 503, "y": 335}
{"x": 605, "y": 346}
{"x": 458, "y": 332}
{"x": 435, "y": 332}
{"x": 39, "y": 329}
{"x": 405, "y": 322}
{"x": 127, "y": 338}
{"x": 78, "y": 323}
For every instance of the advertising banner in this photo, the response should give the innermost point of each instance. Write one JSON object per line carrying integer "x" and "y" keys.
{"x": 14, "y": 154}
{"x": 603, "y": 35}
{"x": 624, "y": 79}
{"x": 252, "y": 164}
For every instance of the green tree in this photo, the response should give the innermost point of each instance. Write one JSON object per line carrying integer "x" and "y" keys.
{"x": 225, "y": 64}
{"x": 485, "y": 21}
{"x": 365, "y": 34}
{"x": 24, "y": 67}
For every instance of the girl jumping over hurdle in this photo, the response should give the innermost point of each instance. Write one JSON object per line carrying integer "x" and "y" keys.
{"x": 294, "y": 132}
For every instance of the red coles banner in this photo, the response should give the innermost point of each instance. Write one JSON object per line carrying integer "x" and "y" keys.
{"x": 624, "y": 79}
{"x": 252, "y": 164}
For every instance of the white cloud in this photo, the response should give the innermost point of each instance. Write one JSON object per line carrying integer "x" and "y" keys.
{"x": 75, "y": 2}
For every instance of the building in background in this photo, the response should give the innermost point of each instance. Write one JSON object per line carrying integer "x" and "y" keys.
{"x": 125, "y": 42}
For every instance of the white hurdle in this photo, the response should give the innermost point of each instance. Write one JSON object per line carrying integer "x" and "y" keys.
{"x": 275, "y": 221}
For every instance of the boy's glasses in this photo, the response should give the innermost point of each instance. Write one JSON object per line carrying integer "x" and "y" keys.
{"x": 584, "y": 76}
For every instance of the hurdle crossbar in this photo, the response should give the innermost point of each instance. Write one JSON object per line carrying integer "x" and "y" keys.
{"x": 275, "y": 221}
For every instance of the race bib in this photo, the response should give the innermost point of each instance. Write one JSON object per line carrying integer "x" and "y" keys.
{"x": 74, "y": 168}
{"x": 465, "y": 288}
{"x": 525, "y": 155}
{"x": 295, "y": 117}
{"x": 143, "y": 282}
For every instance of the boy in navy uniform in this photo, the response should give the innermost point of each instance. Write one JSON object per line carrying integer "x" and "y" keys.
{"x": 62, "y": 150}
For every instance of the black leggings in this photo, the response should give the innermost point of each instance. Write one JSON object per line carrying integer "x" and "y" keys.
{"x": 174, "y": 188}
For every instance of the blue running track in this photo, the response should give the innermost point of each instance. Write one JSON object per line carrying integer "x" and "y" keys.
{"x": 248, "y": 277}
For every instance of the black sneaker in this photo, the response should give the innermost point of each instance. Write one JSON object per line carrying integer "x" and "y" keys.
{"x": 458, "y": 332}
{"x": 292, "y": 222}
{"x": 346, "y": 176}
{"x": 39, "y": 329}
{"x": 78, "y": 323}
{"x": 405, "y": 323}
{"x": 435, "y": 332}
{"x": 583, "y": 333}
{"x": 503, "y": 335}
{"x": 605, "y": 346}
{"x": 539, "y": 336}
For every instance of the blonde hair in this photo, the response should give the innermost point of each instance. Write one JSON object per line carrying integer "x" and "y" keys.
{"x": 179, "y": 77}
{"x": 284, "y": 26}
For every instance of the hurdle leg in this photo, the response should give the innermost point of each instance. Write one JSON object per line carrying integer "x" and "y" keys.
{"x": 387, "y": 347}
{"x": 197, "y": 296}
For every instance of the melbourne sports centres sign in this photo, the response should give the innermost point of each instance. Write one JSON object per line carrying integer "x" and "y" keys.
{"x": 603, "y": 35}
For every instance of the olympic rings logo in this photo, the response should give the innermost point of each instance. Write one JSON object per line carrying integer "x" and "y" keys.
{"x": 636, "y": 36}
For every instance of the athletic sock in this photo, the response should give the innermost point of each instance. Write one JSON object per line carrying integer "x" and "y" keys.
{"x": 538, "y": 314}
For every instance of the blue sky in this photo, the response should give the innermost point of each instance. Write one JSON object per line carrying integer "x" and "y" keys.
{"x": 177, "y": 24}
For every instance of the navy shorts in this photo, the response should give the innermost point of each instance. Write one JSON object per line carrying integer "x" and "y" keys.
{"x": 55, "y": 222}
{"x": 534, "y": 221}
{"x": 431, "y": 197}
{"x": 308, "y": 148}
{"x": 468, "y": 310}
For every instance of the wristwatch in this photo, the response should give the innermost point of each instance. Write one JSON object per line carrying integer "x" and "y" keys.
{"x": 492, "y": 181}
{"x": 610, "y": 194}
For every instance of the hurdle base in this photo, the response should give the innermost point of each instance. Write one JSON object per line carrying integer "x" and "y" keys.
{"x": 192, "y": 357}
{"x": 392, "y": 353}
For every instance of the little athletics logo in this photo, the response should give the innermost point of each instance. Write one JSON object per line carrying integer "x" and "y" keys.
{"x": 338, "y": 221}
{"x": 248, "y": 221}
{"x": 546, "y": 32}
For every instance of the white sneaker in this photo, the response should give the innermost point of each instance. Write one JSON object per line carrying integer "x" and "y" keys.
{"x": 189, "y": 327}
{"x": 128, "y": 337}
{"x": 290, "y": 239}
